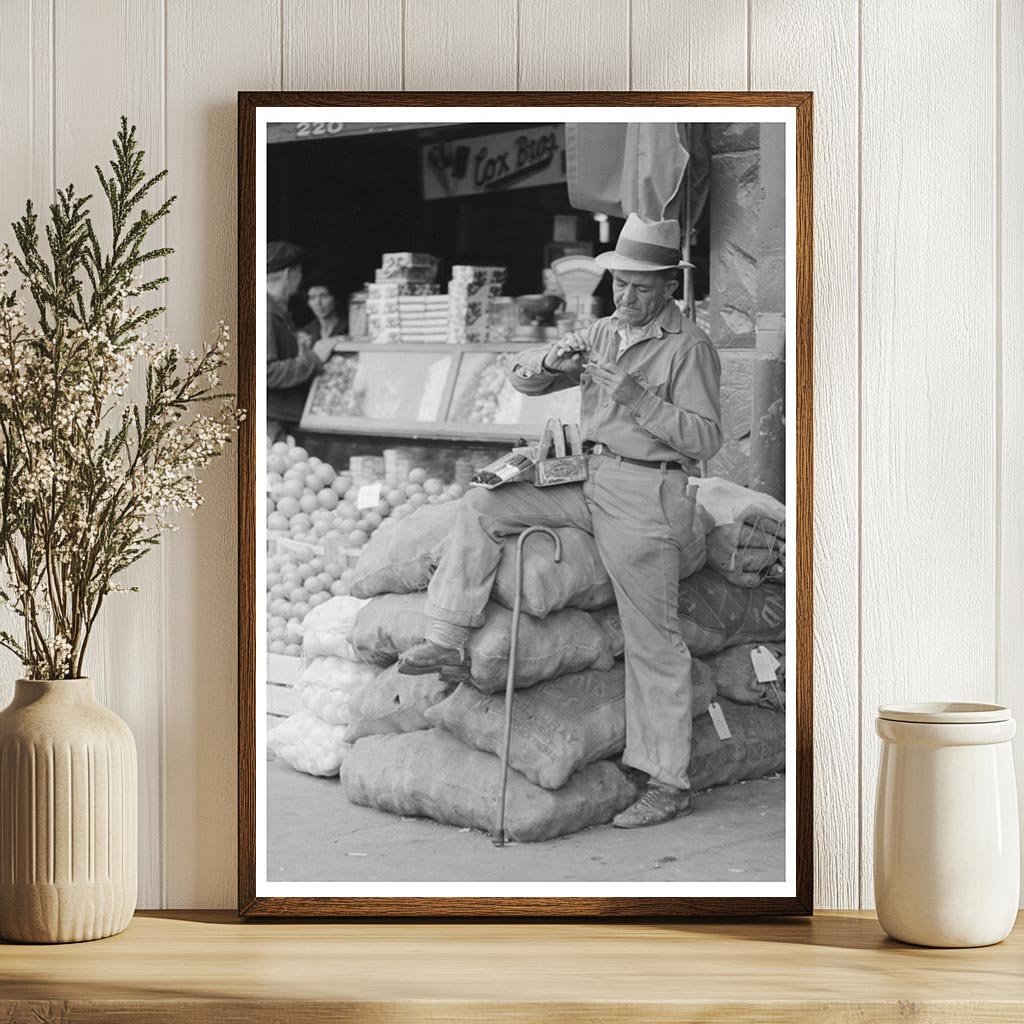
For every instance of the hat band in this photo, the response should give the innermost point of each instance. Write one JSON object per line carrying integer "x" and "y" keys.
{"x": 647, "y": 252}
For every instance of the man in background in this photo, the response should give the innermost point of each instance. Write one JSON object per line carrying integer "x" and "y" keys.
{"x": 291, "y": 363}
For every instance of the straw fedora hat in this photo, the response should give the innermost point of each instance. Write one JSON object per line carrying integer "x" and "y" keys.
{"x": 645, "y": 245}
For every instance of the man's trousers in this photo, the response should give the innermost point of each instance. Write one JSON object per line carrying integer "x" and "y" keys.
{"x": 640, "y": 518}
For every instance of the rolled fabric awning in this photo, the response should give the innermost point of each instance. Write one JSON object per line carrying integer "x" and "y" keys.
{"x": 623, "y": 168}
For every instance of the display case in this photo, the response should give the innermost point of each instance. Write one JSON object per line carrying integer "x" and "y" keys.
{"x": 444, "y": 391}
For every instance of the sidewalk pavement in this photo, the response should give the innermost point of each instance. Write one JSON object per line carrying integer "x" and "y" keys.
{"x": 736, "y": 834}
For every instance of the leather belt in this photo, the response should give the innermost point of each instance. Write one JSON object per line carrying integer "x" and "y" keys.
{"x": 597, "y": 448}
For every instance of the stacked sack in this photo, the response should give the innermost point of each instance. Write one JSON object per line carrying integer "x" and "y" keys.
{"x": 569, "y": 713}
{"x": 314, "y": 740}
{"x": 747, "y": 532}
{"x": 732, "y": 613}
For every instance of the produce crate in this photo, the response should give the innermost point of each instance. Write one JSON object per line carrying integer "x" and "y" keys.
{"x": 281, "y": 543}
{"x": 334, "y": 550}
{"x": 330, "y": 550}
{"x": 283, "y": 700}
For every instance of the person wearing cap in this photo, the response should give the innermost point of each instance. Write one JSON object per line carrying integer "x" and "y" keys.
{"x": 291, "y": 363}
{"x": 650, "y": 412}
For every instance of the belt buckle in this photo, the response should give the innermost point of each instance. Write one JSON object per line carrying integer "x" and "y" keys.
{"x": 597, "y": 449}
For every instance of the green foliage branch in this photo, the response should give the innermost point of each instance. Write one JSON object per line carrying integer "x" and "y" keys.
{"x": 92, "y": 472}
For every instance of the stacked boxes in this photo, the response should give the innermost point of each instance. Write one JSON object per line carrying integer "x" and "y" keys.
{"x": 382, "y": 313}
{"x": 423, "y": 318}
{"x": 470, "y": 292}
{"x": 401, "y": 275}
{"x": 408, "y": 268}
{"x": 403, "y": 302}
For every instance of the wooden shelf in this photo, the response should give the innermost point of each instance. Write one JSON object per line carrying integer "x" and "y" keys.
{"x": 207, "y": 966}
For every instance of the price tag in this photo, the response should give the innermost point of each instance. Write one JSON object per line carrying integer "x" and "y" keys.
{"x": 368, "y": 497}
{"x": 718, "y": 717}
{"x": 765, "y": 663}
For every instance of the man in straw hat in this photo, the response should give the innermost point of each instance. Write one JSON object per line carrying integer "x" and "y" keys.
{"x": 650, "y": 411}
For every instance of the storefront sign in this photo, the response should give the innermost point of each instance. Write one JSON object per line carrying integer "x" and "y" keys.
{"x": 315, "y": 131}
{"x": 493, "y": 163}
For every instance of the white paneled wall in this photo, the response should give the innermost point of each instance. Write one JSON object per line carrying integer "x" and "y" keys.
{"x": 831, "y": 71}
{"x": 919, "y": 306}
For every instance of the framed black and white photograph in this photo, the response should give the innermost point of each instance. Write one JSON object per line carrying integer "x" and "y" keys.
{"x": 525, "y": 504}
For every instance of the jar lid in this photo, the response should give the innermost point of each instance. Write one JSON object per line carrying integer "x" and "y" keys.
{"x": 945, "y": 713}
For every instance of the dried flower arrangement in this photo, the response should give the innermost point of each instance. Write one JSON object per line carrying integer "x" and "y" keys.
{"x": 89, "y": 477}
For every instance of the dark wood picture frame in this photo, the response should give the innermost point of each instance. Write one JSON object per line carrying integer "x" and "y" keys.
{"x": 251, "y": 905}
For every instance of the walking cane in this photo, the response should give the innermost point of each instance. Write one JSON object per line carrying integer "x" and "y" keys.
{"x": 499, "y": 838}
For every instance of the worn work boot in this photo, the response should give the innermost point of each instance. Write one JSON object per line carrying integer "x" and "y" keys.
{"x": 658, "y": 803}
{"x": 429, "y": 657}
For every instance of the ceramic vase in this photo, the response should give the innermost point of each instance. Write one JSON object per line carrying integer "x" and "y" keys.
{"x": 947, "y": 847}
{"x": 68, "y": 815}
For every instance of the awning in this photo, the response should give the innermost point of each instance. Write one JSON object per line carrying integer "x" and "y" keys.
{"x": 620, "y": 168}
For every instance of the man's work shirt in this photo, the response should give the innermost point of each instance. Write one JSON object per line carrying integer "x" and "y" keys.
{"x": 288, "y": 370}
{"x": 677, "y": 418}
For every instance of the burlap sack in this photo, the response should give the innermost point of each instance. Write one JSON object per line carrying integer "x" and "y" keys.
{"x": 715, "y": 614}
{"x": 393, "y": 703}
{"x": 432, "y": 774}
{"x": 389, "y": 625}
{"x": 558, "y": 726}
{"x": 726, "y": 502}
{"x": 565, "y": 641}
{"x": 580, "y": 580}
{"x": 735, "y": 678}
{"x": 757, "y": 747}
{"x": 747, "y": 553}
{"x": 399, "y": 560}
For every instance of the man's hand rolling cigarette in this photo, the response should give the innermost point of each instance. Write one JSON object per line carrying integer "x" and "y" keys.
{"x": 622, "y": 387}
{"x": 566, "y": 355}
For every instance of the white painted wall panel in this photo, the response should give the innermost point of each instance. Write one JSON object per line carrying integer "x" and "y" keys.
{"x": 831, "y": 73}
{"x": 213, "y": 51}
{"x": 125, "y": 655}
{"x": 698, "y": 44}
{"x": 573, "y": 44}
{"x": 1009, "y": 257}
{"x": 460, "y": 44}
{"x": 928, "y": 411}
{"x": 26, "y": 118}
{"x": 918, "y": 557}
{"x": 342, "y": 44}
{"x": 26, "y": 70}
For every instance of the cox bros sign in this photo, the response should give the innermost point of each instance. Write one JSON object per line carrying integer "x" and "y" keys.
{"x": 516, "y": 159}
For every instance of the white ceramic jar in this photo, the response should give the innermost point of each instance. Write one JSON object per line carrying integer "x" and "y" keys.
{"x": 947, "y": 846}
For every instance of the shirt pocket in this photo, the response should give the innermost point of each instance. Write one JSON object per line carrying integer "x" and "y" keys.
{"x": 654, "y": 380}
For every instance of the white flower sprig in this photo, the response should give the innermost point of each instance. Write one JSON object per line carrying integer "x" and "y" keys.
{"x": 89, "y": 478}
